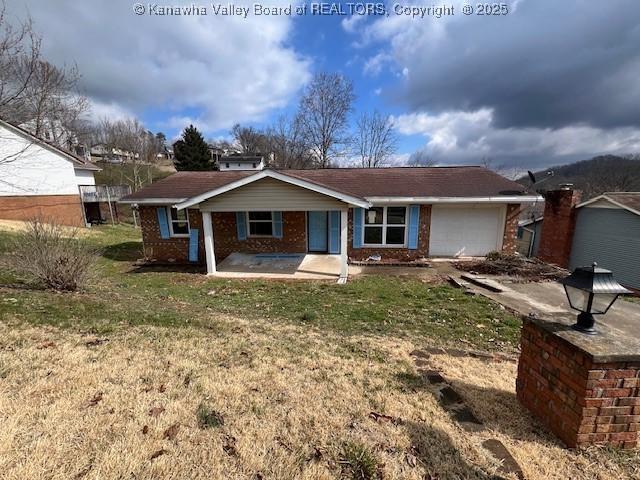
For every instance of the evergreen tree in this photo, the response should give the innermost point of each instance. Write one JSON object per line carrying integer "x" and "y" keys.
{"x": 192, "y": 152}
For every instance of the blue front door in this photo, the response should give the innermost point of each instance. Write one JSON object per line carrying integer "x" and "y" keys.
{"x": 318, "y": 232}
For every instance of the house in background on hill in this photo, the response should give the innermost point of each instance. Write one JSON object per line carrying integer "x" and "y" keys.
{"x": 41, "y": 180}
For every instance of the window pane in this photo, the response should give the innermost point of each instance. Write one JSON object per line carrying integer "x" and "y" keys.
{"x": 178, "y": 215}
{"x": 261, "y": 228}
{"x": 373, "y": 215}
{"x": 373, "y": 235}
{"x": 395, "y": 235}
{"x": 259, "y": 215}
{"x": 396, "y": 215}
{"x": 180, "y": 228}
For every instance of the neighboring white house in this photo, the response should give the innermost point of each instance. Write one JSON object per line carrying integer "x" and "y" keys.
{"x": 39, "y": 179}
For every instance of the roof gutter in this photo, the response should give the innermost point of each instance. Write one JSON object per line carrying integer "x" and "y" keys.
{"x": 430, "y": 200}
{"x": 152, "y": 201}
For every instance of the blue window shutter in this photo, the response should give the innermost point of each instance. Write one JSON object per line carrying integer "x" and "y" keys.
{"x": 358, "y": 217}
{"x": 414, "y": 221}
{"x": 241, "y": 225}
{"x": 163, "y": 222}
{"x": 334, "y": 231}
{"x": 193, "y": 245}
{"x": 277, "y": 224}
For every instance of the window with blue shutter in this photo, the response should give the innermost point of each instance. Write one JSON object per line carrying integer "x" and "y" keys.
{"x": 358, "y": 217}
{"x": 163, "y": 223}
{"x": 277, "y": 224}
{"x": 193, "y": 245}
{"x": 414, "y": 222}
{"x": 241, "y": 225}
{"x": 334, "y": 231}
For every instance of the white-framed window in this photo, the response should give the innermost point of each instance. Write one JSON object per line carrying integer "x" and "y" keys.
{"x": 260, "y": 224}
{"x": 179, "y": 223}
{"x": 385, "y": 226}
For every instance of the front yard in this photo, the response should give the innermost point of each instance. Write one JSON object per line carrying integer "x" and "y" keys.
{"x": 157, "y": 374}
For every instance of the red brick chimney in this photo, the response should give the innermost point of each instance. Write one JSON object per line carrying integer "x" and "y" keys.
{"x": 558, "y": 225}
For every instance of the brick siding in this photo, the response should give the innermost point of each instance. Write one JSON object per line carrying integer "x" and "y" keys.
{"x": 225, "y": 236}
{"x": 171, "y": 250}
{"x": 294, "y": 238}
{"x": 394, "y": 253}
{"x": 62, "y": 209}
{"x": 509, "y": 240}
{"x": 582, "y": 402}
{"x": 556, "y": 236}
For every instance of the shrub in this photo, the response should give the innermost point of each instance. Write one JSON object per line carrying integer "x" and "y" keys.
{"x": 52, "y": 256}
{"x": 208, "y": 417}
{"x": 358, "y": 462}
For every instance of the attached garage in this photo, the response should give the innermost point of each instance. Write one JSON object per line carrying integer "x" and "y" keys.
{"x": 469, "y": 230}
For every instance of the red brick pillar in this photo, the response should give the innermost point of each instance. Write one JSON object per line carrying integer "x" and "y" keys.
{"x": 559, "y": 223}
{"x": 576, "y": 386}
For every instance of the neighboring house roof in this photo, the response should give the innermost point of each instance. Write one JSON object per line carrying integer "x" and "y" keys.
{"x": 78, "y": 163}
{"x": 239, "y": 158}
{"x": 370, "y": 184}
{"x": 627, "y": 200}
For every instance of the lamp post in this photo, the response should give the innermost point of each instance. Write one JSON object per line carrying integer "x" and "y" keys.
{"x": 591, "y": 291}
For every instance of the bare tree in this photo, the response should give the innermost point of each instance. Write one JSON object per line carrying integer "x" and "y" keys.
{"x": 139, "y": 144}
{"x": 375, "y": 139}
{"x": 19, "y": 55}
{"x": 249, "y": 140}
{"x": 35, "y": 94}
{"x": 288, "y": 145}
{"x": 323, "y": 114}
{"x": 421, "y": 159}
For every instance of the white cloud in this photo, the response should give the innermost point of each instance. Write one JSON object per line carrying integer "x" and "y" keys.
{"x": 467, "y": 137}
{"x": 374, "y": 65}
{"x": 349, "y": 24}
{"x": 219, "y": 69}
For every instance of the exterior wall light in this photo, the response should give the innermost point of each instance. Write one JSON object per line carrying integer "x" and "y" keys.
{"x": 591, "y": 291}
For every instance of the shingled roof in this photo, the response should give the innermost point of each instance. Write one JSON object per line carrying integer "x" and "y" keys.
{"x": 364, "y": 183}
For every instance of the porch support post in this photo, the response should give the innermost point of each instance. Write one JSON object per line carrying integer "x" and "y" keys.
{"x": 207, "y": 227}
{"x": 344, "y": 225}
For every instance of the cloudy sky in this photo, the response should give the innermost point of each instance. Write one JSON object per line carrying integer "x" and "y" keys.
{"x": 549, "y": 82}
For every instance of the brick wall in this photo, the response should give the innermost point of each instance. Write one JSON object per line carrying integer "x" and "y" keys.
{"x": 172, "y": 249}
{"x": 62, "y": 209}
{"x": 558, "y": 226}
{"x": 394, "y": 253}
{"x": 509, "y": 240}
{"x": 225, "y": 236}
{"x": 582, "y": 402}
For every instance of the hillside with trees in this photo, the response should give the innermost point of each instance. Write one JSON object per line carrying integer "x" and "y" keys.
{"x": 606, "y": 173}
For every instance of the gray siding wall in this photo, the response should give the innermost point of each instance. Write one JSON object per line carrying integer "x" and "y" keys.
{"x": 270, "y": 194}
{"x": 610, "y": 237}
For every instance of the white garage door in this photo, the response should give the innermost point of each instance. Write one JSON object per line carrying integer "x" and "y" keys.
{"x": 465, "y": 231}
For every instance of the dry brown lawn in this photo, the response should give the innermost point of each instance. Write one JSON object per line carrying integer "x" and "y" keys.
{"x": 291, "y": 403}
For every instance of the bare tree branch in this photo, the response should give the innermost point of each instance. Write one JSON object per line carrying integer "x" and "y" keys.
{"x": 375, "y": 141}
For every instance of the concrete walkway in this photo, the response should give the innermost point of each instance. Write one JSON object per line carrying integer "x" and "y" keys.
{"x": 548, "y": 299}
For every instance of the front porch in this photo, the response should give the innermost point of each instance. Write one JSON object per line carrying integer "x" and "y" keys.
{"x": 307, "y": 266}
{"x": 288, "y": 252}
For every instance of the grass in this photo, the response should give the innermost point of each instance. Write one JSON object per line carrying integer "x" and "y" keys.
{"x": 153, "y": 374}
{"x": 126, "y": 295}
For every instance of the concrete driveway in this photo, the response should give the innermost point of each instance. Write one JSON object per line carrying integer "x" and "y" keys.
{"x": 546, "y": 299}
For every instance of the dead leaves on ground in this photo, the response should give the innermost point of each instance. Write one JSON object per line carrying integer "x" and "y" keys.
{"x": 172, "y": 432}
{"x": 97, "y": 398}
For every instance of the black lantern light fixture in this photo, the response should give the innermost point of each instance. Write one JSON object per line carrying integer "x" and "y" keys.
{"x": 591, "y": 290}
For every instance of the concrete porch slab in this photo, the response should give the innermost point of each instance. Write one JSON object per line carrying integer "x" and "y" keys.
{"x": 280, "y": 265}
